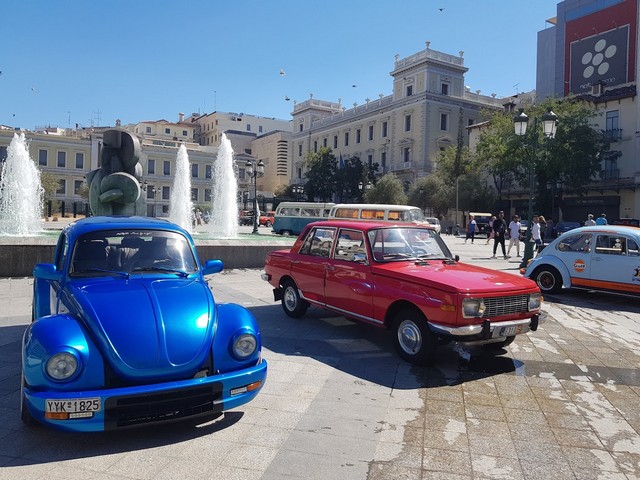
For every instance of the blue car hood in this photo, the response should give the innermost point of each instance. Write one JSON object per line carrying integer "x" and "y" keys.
{"x": 149, "y": 328}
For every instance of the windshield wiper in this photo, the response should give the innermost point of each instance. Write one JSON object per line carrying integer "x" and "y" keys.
{"x": 181, "y": 273}
{"x": 102, "y": 270}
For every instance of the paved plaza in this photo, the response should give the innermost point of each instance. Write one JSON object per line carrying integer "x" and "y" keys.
{"x": 559, "y": 403}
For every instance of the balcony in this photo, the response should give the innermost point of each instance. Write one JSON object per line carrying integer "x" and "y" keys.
{"x": 401, "y": 166}
{"x": 613, "y": 134}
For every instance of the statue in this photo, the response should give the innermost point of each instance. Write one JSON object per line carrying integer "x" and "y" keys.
{"x": 114, "y": 188}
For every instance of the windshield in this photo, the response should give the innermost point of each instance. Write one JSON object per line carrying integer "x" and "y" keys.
{"x": 126, "y": 251}
{"x": 406, "y": 243}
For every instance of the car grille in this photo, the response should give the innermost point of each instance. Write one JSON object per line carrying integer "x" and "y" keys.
{"x": 165, "y": 406}
{"x": 498, "y": 306}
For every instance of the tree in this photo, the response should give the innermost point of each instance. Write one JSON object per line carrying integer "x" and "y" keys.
{"x": 389, "y": 189}
{"x": 353, "y": 178}
{"x": 320, "y": 175}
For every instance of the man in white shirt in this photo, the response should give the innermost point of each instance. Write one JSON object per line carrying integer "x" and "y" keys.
{"x": 514, "y": 234}
{"x": 535, "y": 232}
{"x": 590, "y": 221}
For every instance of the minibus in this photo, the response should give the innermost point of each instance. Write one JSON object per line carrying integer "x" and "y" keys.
{"x": 291, "y": 217}
{"x": 371, "y": 211}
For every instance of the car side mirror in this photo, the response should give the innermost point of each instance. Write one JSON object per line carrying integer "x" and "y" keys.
{"x": 457, "y": 258}
{"x": 212, "y": 266}
{"x": 47, "y": 271}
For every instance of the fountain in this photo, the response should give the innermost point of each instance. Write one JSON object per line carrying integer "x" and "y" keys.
{"x": 224, "y": 210}
{"x": 21, "y": 192}
{"x": 181, "y": 206}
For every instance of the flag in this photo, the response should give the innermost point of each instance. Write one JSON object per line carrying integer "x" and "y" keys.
{"x": 341, "y": 163}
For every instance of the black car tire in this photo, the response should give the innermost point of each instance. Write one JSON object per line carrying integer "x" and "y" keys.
{"x": 267, "y": 224}
{"x": 292, "y": 304}
{"x": 412, "y": 338}
{"x": 548, "y": 279}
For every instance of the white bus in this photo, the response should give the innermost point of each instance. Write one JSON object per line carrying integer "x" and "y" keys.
{"x": 291, "y": 217}
{"x": 371, "y": 211}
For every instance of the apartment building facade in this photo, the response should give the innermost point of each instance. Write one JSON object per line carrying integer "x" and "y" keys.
{"x": 402, "y": 132}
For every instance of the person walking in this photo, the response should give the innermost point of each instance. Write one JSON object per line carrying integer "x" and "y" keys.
{"x": 602, "y": 220}
{"x": 514, "y": 235}
{"x": 589, "y": 222}
{"x": 471, "y": 229}
{"x": 499, "y": 230}
{"x": 535, "y": 233}
{"x": 490, "y": 234}
{"x": 543, "y": 227}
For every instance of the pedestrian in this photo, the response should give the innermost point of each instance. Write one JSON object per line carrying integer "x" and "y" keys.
{"x": 543, "y": 227}
{"x": 535, "y": 233}
{"x": 490, "y": 233}
{"x": 590, "y": 221}
{"x": 471, "y": 229}
{"x": 514, "y": 235}
{"x": 602, "y": 219}
{"x": 499, "y": 230}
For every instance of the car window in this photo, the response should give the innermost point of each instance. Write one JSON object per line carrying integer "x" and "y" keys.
{"x": 400, "y": 243}
{"x": 632, "y": 248}
{"x": 61, "y": 251}
{"x": 350, "y": 246}
{"x": 318, "y": 242}
{"x": 613, "y": 245}
{"x": 575, "y": 243}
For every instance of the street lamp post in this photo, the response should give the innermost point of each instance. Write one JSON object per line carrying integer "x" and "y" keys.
{"x": 298, "y": 190}
{"x": 254, "y": 171}
{"x": 520, "y": 121}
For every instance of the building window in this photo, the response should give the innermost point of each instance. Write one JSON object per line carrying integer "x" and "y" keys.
{"x": 194, "y": 170}
{"x": 62, "y": 187}
{"x": 383, "y": 161}
{"x": 409, "y": 90}
{"x": 358, "y": 135}
{"x": 166, "y": 193}
{"x": 151, "y": 166}
{"x": 406, "y": 154}
{"x": 301, "y": 126}
{"x": 194, "y": 194}
{"x": 62, "y": 159}
{"x": 42, "y": 157}
{"x": 346, "y": 139}
{"x": 248, "y": 127}
{"x": 207, "y": 171}
{"x": 384, "y": 130}
{"x": 444, "y": 122}
{"x": 324, "y": 142}
{"x": 77, "y": 185}
{"x": 151, "y": 191}
{"x": 470, "y": 122}
{"x": 259, "y": 128}
{"x": 300, "y": 150}
{"x": 315, "y": 146}
{"x": 184, "y": 133}
{"x": 335, "y": 141}
{"x": 407, "y": 123}
{"x": 148, "y": 129}
{"x": 370, "y": 132}
{"x": 444, "y": 89}
{"x": 167, "y": 131}
{"x": 79, "y": 160}
{"x": 370, "y": 160}
{"x": 207, "y": 194}
{"x": 167, "y": 168}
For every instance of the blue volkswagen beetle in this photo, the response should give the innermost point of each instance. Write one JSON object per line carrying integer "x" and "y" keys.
{"x": 126, "y": 332}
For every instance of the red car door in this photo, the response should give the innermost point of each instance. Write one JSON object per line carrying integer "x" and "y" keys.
{"x": 348, "y": 281}
{"x": 309, "y": 265}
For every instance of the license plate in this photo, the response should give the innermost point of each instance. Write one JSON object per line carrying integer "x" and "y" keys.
{"x": 74, "y": 405}
{"x": 508, "y": 331}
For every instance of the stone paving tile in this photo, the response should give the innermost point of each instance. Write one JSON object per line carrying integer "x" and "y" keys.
{"x": 495, "y": 467}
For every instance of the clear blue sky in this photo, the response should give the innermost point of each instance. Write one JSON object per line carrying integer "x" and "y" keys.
{"x": 81, "y": 61}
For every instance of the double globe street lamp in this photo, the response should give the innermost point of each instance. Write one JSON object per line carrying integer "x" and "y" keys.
{"x": 520, "y": 122}
{"x": 255, "y": 170}
{"x": 298, "y": 190}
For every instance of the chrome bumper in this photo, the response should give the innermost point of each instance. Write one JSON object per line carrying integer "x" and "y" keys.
{"x": 487, "y": 330}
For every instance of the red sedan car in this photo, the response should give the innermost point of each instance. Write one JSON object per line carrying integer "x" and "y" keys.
{"x": 403, "y": 278}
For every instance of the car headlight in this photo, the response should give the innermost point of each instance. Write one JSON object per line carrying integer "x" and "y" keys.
{"x": 244, "y": 346}
{"x": 535, "y": 301}
{"x": 473, "y": 307}
{"x": 62, "y": 366}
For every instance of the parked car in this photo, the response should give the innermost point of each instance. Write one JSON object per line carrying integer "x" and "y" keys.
{"x": 601, "y": 257}
{"x": 563, "y": 227}
{"x": 404, "y": 278}
{"x": 126, "y": 332}
{"x": 246, "y": 217}
{"x": 266, "y": 219}
{"x": 435, "y": 223}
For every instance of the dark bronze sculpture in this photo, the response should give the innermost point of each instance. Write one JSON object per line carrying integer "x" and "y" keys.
{"x": 114, "y": 188}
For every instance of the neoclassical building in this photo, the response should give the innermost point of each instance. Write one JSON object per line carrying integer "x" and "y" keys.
{"x": 402, "y": 132}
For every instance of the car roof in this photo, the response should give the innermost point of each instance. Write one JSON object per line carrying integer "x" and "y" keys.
{"x": 367, "y": 225}
{"x": 92, "y": 224}
{"x": 612, "y": 229}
